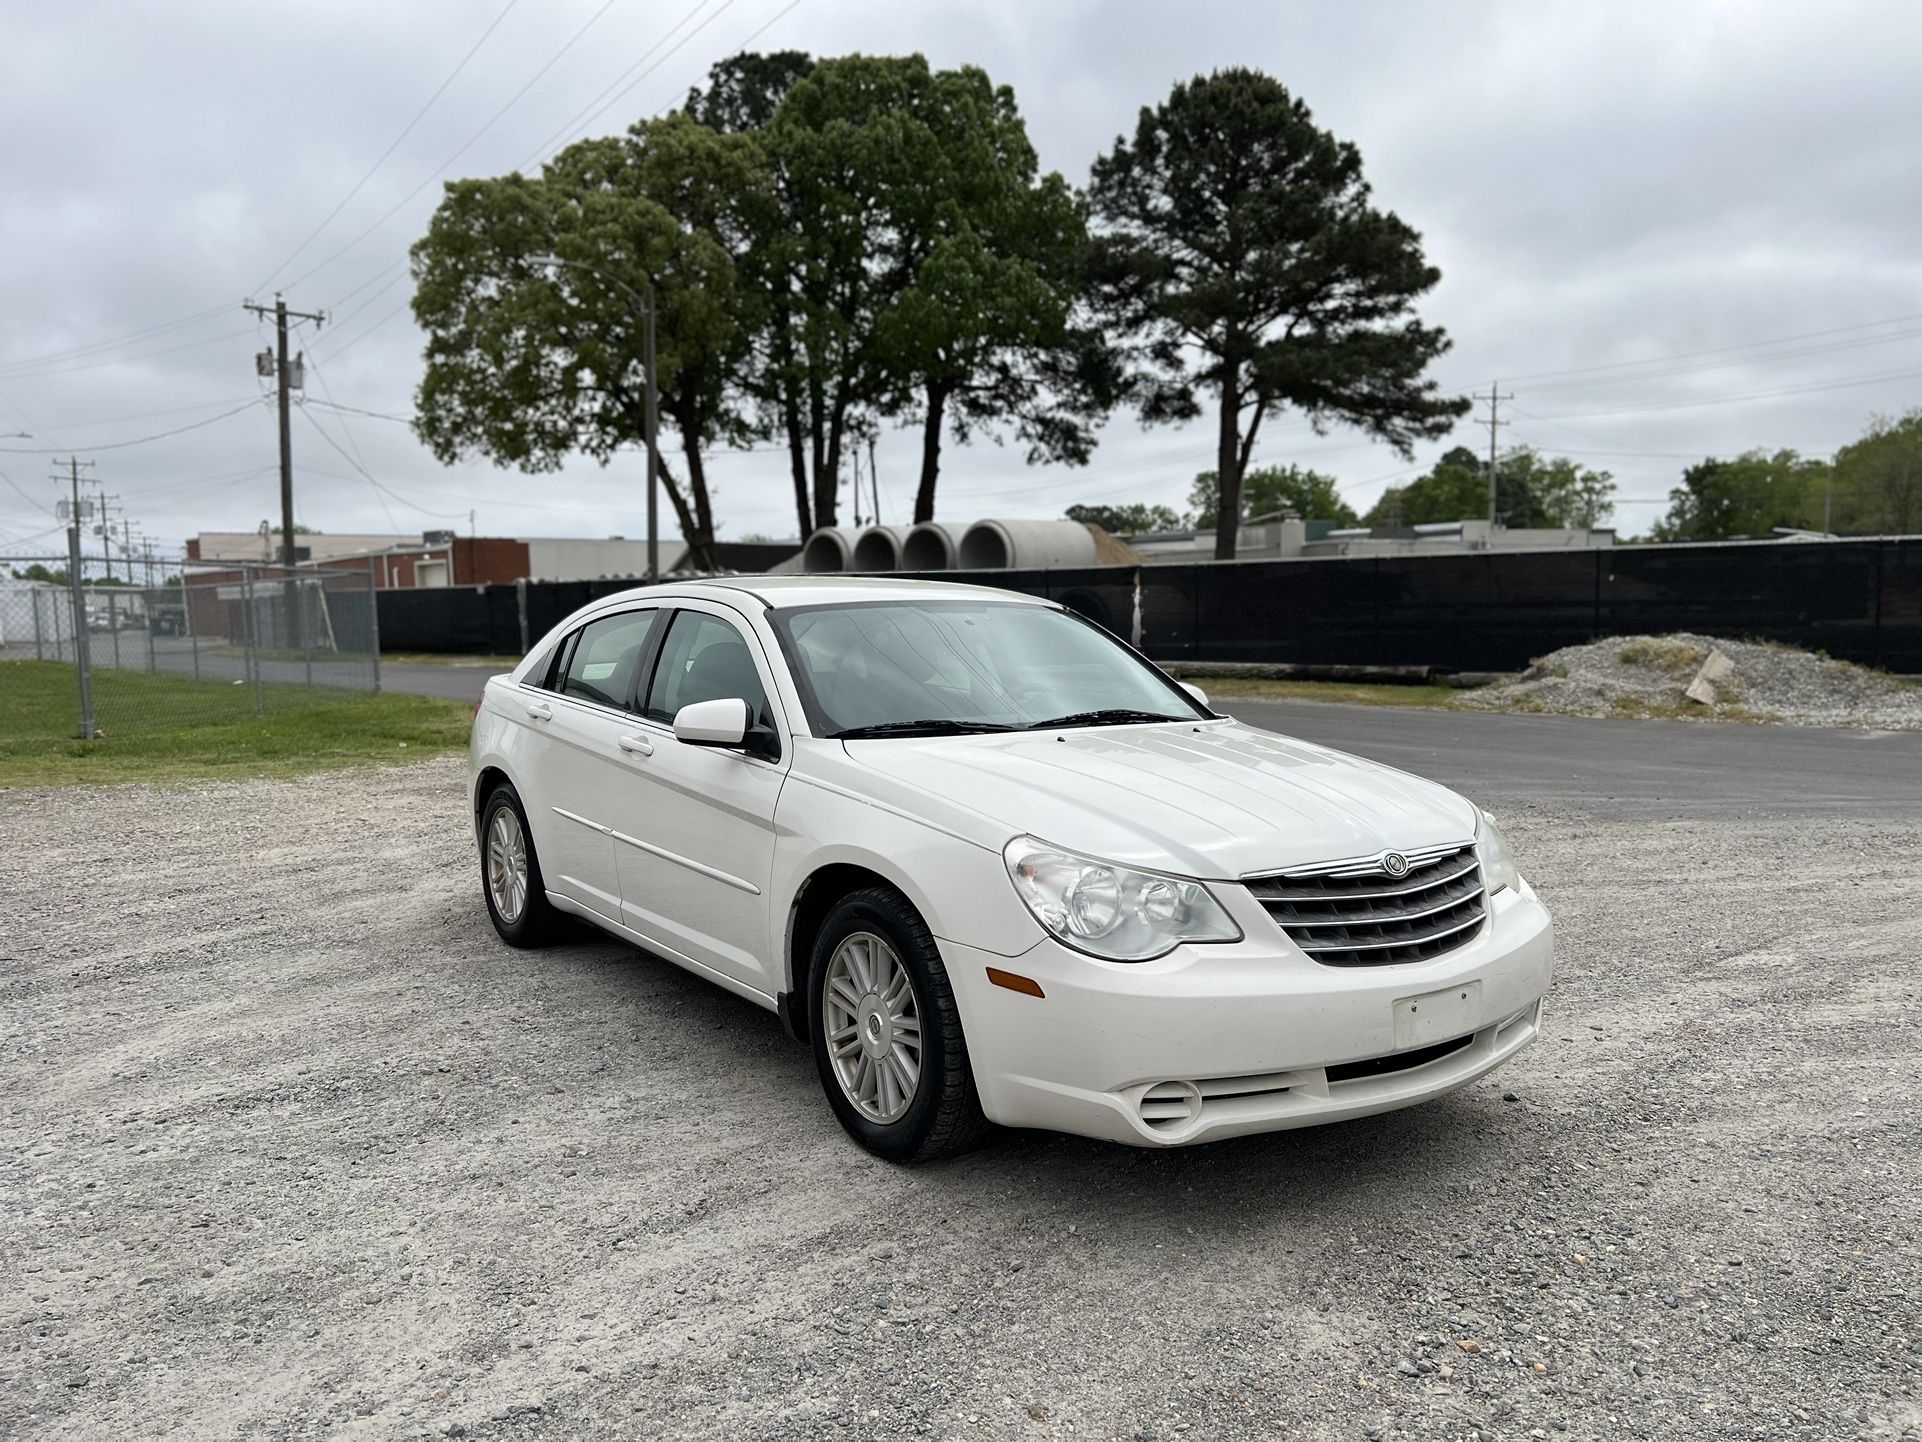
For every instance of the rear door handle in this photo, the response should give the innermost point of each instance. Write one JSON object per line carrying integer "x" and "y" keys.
{"x": 637, "y": 745}
{"x": 540, "y": 711}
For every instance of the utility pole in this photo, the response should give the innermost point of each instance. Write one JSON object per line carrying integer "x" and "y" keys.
{"x": 874, "y": 480}
{"x": 106, "y": 507}
{"x": 1495, "y": 397}
{"x": 854, "y": 455}
{"x": 76, "y": 582}
{"x": 283, "y": 377}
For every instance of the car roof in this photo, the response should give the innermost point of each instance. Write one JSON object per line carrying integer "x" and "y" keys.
{"x": 780, "y": 592}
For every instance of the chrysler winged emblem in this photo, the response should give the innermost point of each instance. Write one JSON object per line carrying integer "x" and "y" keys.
{"x": 1394, "y": 864}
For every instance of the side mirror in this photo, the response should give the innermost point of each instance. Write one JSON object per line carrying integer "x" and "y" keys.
{"x": 722, "y": 722}
{"x": 1201, "y": 696}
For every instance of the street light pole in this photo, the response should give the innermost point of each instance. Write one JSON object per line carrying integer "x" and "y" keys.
{"x": 651, "y": 406}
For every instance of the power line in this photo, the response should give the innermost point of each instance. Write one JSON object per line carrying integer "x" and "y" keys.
{"x": 340, "y": 350}
{"x": 365, "y": 474}
{"x": 1796, "y": 353}
{"x": 1718, "y": 350}
{"x": 94, "y": 365}
{"x": 20, "y": 493}
{"x": 147, "y": 415}
{"x": 137, "y": 441}
{"x": 585, "y": 115}
{"x": 72, "y": 352}
{"x": 465, "y": 146}
{"x": 1810, "y": 389}
{"x": 406, "y": 131}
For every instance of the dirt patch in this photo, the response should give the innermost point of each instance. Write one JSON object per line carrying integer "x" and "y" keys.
{"x": 1651, "y": 675}
{"x": 292, "y": 1147}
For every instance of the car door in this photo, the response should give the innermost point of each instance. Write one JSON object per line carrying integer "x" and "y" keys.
{"x": 694, "y": 842}
{"x": 581, "y": 716}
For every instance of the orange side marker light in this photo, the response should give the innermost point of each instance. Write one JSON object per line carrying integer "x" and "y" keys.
{"x": 1026, "y": 985}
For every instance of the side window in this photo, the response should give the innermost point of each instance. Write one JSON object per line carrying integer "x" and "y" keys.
{"x": 703, "y": 659}
{"x": 545, "y": 673}
{"x": 606, "y": 658}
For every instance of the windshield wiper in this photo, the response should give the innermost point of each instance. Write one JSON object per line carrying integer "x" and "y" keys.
{"x": 932, "y": 726}
{"x": 1112, "y": 716}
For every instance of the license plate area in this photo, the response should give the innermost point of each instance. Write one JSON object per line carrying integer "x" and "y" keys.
{"x": 1437, "y": 1015}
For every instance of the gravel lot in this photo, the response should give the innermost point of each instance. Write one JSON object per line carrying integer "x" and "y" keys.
{"x": 290, "y": 1146}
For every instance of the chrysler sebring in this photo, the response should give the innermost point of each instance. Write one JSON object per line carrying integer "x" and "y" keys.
{"x": 993, "y": 865}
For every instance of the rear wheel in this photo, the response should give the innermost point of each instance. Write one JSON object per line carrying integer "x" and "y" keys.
{"x": 511, "y": 873}
{"x": 887, "y": 1035}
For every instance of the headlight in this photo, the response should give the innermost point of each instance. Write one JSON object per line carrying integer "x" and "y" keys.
{"x": 1112, "y": 911}
{"x": 1498, "y": 861}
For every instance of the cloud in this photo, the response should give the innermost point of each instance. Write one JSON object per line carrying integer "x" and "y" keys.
{"x": 1598, "y": 185}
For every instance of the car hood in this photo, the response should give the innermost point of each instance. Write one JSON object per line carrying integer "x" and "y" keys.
{"x": 1217, "y": 800}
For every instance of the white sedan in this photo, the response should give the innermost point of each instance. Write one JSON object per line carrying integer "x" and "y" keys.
{"x": 995, "y": 866}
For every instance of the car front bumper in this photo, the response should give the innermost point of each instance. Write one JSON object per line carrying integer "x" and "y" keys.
{"x": 1216, "y": 1041}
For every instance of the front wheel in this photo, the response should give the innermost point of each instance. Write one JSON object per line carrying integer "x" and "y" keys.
{"x": 887, "y": 1035}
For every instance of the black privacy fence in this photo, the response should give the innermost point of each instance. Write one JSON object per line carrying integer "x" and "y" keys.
{"x": 1487, "y": 611}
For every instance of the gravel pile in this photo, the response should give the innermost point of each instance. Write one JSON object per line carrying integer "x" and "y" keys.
{"x": 1650, "y": 676}
{"x": 291, "y": 1147}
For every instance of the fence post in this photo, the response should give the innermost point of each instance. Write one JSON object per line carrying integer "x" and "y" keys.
{"x": 187, "y": 624}
{"x": 253, "y": 647}
{"x": 113, "y": 623}
{"x": 38, "y": 654}
{"x": 81, "y": 659}
{"x": 520, "y": 603}
{"x": 307, "y": 637}
{"x": 147, "y": 597}
{"x": 373, "y": 621}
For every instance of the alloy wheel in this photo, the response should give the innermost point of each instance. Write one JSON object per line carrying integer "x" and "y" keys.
{"x": 507, "y": 864}
{"x": 873, "y": 1024}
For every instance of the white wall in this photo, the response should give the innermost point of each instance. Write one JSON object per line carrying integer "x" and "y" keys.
{"x": 17, "y": 614}
{"x": 583, "y": 560}
{"x": 247, "y": 545}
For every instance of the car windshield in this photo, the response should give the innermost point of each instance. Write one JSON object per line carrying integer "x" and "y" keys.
{"x": 944, "y": 667}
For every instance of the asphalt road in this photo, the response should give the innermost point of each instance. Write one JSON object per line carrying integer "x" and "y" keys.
{"x": 1627, "y": 770}
{"x": 456, "y": 682}
{"x": 1631, "y": 770}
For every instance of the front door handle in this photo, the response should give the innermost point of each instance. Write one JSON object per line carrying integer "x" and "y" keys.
{"x": 540, "y": 711}
{"x": 637, "y": 745}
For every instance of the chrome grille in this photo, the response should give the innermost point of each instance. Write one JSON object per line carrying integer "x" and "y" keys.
{"x": 1355, "y": 913}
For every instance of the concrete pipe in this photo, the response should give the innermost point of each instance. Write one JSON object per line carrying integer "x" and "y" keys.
{"x": 1026, "y": 545}
{"x": 827, "y": 551}
{"x": 932, "y": 546}
{"x": 878, "y": 548}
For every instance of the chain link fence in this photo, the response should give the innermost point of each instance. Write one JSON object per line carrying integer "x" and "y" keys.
{"x": 188, "y": 642}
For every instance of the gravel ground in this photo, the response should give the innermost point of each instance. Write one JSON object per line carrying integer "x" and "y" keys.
{"x": 290, "y": 1146}
{"x": 1646, "y": 675}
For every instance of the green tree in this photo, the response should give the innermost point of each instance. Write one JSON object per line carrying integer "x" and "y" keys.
{"x": 743, "y": 91}
{"x": 1748, "y": 496}
{"x": 1134, "y": 519}
{"x": 1532, "y": 490}
{"x": 788, "y": 379}
{"x": 923, "y": 269}
{"x": 39, "y": 572}
{"x": 1269, "y": 490}
{"x": 1240, "y": 254}
{"x": 1878, "y": 479}
{"x": 528, "y": 363}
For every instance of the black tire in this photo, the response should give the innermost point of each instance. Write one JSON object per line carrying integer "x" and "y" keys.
{"x": 538, "y": 922}
{"x": 944, "y": 1117}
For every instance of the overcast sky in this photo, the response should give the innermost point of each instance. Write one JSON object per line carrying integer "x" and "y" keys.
{"x": 1601, "y": 186}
